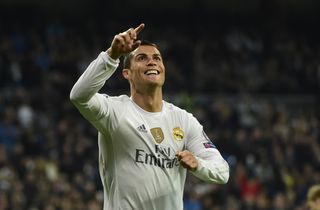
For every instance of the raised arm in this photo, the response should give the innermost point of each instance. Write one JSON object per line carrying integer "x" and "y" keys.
{"x": 84, "y": 94}
{"x": 104, "y": 65}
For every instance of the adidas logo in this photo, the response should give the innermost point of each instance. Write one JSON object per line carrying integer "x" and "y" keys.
{"x": 142, "y": 128}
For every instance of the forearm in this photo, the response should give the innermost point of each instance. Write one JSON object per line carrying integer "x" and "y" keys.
{"x": 212, "y": 168}
{"x": 92, "y": 80}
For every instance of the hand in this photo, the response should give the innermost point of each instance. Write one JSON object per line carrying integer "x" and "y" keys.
{"x": 125, "y": 42}
{"x": 187, "y": 160}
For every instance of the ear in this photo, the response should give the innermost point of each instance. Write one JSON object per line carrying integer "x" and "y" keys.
{"x": 125, "y": 73}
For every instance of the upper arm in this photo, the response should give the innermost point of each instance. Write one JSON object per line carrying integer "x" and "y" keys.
{"x": 100, "y": 110}
{"x": 198, "y": 142}
{"x": 196, "y": 138}
{"x": 211, "y": 165}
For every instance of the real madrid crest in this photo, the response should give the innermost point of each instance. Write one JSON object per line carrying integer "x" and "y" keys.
{"x": 178, "y": 134}
{"x": 157, "y": 134}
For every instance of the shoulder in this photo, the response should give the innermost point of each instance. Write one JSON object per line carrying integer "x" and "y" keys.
{"x": 116, "y": 102}
{"x": 121, "y": 98}
{"x": 177, "y": 110}
{"x": 183, "y": 117}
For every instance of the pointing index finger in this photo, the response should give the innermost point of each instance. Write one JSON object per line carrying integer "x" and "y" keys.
{"x": 139, "y": 28}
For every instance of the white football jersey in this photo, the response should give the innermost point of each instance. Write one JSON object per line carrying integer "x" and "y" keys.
{"x": 137, "y": 162}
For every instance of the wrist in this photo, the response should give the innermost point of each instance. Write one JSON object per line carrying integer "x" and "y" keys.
{"x": 113, "y": 55}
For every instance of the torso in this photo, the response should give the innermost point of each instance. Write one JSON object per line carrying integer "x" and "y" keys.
{"x": 142, "y": 163}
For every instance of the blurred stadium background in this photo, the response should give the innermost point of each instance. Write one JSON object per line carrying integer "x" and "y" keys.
{"x": 249, "y": 71}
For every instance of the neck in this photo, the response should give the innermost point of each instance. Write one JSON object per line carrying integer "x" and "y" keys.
{"x": 151, "y": 102}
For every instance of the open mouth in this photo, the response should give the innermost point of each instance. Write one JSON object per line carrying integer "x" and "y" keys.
{"x": 152, "y": 72}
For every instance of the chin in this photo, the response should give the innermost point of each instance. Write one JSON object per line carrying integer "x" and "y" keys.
{"x": 154, "y": 83}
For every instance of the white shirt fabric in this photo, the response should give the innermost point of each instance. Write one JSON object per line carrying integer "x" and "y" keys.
{"x": 137, "y": 162}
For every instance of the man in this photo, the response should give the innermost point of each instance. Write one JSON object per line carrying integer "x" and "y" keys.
{"x": 313, "y": 197}
{"x": 146, "y": 145}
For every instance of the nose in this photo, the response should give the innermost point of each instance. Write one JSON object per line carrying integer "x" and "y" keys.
{"x": 151, "y": 62}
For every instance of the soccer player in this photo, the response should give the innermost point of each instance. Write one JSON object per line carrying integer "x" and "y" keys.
{"x": 146, "y": 145}
{"x": 313, "y": 197}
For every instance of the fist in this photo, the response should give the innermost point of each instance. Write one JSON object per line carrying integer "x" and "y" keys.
{"x": 125, "y": 42}
{"x": 187, "y": 160}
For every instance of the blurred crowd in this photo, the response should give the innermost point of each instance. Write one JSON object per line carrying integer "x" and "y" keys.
{"x": 255, "y": 91}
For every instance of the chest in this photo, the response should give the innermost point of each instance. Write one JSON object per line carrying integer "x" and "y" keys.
{"x": 158, "y": 134}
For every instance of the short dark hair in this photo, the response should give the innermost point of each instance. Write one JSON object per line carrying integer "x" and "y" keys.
{"x": 127, "y": 57}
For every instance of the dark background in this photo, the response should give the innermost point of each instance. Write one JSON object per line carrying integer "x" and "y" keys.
{"x": 248, "y": 70}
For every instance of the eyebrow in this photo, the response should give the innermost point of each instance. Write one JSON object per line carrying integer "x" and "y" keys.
{"x": 155, "y": 54}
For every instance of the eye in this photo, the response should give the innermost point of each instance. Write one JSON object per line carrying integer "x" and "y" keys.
{"x": 141, "y": 58}
{"x": 157, "y": 58}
